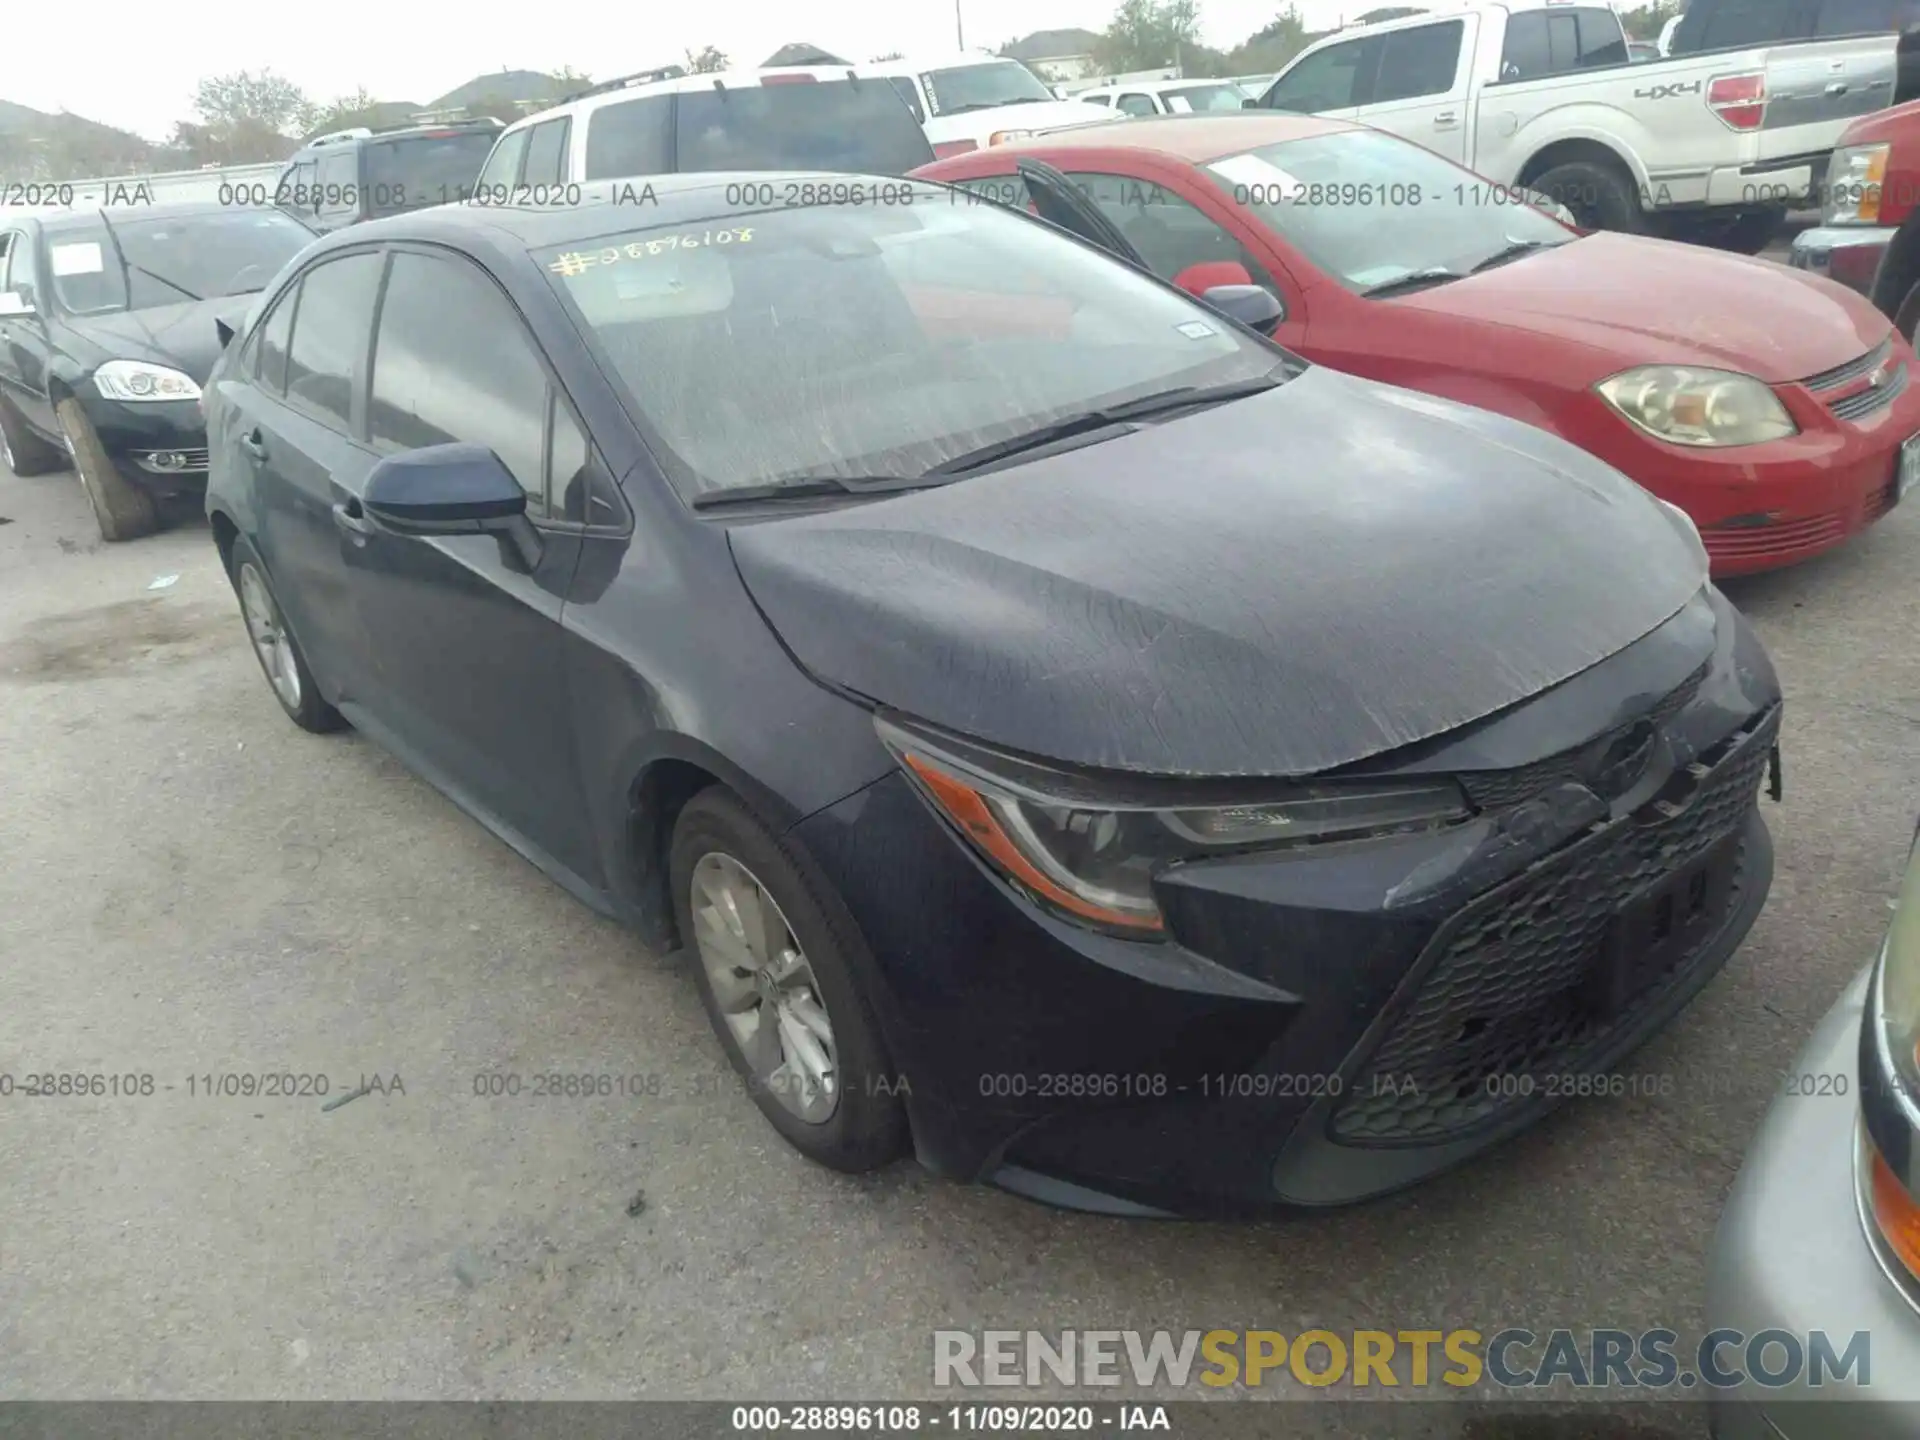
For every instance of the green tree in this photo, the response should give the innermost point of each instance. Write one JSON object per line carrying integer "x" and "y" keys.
{"x": 1646, "y": 21}
{"x": 344, "y": 112}
{"x": 566, "y": 80}
{"x": 1273, "y": 45}
{"x": 500, "y": 107}
{"x": 1146, "y": 34}
{"x": 248, "y": 118}
{"x": 706, "y": 61}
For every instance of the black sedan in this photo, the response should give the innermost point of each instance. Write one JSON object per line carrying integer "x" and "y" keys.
{"x": 107, "y": 331}
{"x": 1071, "y": 735}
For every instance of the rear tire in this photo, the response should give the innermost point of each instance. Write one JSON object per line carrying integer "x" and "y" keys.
{"x": 720, "y": 852}
{"x": 123, "y": 511}
{"x": 1601, "y": 196}
{"x": 23, "y": 452}
{"x": 281, "y": 659}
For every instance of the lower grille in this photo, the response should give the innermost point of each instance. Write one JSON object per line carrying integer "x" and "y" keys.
{"x": 1510, "y": 996}
{"x": 1748, "y": 542}
{"x": 188, "y": 462}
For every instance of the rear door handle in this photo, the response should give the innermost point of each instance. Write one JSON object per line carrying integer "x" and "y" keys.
{"x": 348, "y": 515}
{"x": 253, "y": 444}
{"x": 1838, "y": 87}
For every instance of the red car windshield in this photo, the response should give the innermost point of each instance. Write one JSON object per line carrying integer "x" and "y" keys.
{"x": 1371, "y": 209}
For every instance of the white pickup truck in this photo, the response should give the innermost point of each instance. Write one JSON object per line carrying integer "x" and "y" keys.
{"x": 1540, "y": 93}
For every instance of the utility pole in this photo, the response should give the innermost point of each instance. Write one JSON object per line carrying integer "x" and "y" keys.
{"x": 959, "y": 31}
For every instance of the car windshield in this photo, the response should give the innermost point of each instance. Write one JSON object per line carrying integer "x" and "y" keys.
{"x": 857, "y": 126}
{"x": 422, "y": 170}
{"x": 1218, "y": 96}
{"x": 144, "y": 261}
{"x": 1371, "y": 209}
{"x": 877, "y": 339}
{"x": 978, "y": 87}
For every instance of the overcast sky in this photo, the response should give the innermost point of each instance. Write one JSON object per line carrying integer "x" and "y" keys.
{"x": 140, "y": 66}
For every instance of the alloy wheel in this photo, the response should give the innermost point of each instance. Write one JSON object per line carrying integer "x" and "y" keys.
{"x": 6, "y": 450}
{"x": 269, "y": 635}
{"x": 765, "y": 988}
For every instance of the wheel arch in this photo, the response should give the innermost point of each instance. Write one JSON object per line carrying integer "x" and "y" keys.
{"x": 1579, "y": 149}
{"x": 676, "y": 768}
{"x": 1899, "y": 268}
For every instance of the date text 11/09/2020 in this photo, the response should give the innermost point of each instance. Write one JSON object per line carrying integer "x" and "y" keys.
{"x": 203, "y": 1085}
{"x": 900, "y": 1419}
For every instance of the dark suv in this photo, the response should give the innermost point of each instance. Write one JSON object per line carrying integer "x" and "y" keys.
{"x": 354, "y": 175}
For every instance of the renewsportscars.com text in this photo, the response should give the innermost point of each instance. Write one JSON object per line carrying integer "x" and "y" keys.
{"x": 1514, "y": 1359}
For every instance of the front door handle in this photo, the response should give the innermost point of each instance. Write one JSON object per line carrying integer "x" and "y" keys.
{"x": 348, "y": 515}
{"x": 1446, "y": 120}
{"x": 254, "y": 444}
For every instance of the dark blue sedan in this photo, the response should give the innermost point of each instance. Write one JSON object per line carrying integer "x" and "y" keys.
{"x": 1073, "y": 737}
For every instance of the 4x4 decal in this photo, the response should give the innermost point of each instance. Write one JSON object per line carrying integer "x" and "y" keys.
{"x": 1666, "y": 92}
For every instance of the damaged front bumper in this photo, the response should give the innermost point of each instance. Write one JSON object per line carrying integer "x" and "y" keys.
{"x": 1334, "y": 1022}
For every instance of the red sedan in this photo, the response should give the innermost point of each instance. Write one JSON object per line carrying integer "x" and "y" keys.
{"x": 1773, "y": 407}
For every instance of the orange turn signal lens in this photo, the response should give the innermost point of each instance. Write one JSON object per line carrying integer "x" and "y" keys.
{"x": 1896, "y": 1213}
{"x": 968, "y": 809}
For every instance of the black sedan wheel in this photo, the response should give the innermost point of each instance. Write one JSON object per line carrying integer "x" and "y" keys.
{"x": 123, "y": 510}
{"x": 772, "y": 949}
{"x": 22, "y": 451}
{"x": 279, "y": 654}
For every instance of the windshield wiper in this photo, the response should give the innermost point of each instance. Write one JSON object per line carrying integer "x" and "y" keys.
{"x": 1417, "y": 280}
{"x": 1513, "y": 251}
{"x": 170, "y": 284}
{"x": 1183, "y": 397}
{"x": 803, "y": 487}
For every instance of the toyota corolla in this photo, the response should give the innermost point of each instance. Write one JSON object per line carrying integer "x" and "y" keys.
{"x": 1069, "y": 735}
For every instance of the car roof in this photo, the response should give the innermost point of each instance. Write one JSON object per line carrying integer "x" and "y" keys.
{"x": 1195, "y": 138}
{"x": 1131, "y": 86}
{"x": 639, "y": 202}
{"x": 946, "y": 60}
{"x": 680, "y": 85}
{"x": 141, "y": 214}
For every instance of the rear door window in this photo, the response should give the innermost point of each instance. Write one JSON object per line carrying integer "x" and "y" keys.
{"x": 835, "y": 125}
{"x": 634, "y": 137}
{"x": 547, "y": 153}
{"x": 269, "y": 355}
{"x": 1417, "y": 62}
{"x": 340, "y": 184}
{"x": 910, "y": 97}
{"x": 1602, "y": 40}
{"x": 330, "y": 329}
{"x": 1736, "y": 23}
{"x": 1135, "y": 104}
{"x": 1856, "y": 17}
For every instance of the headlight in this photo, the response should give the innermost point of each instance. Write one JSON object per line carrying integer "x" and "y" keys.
{"x": 1698, "y": 407}
{"x": 999, "y": 137}
{"x": 1094, "y": 861}
{"x": 137, "y": 380}
{"x": 1854, "y": 178}
{"x": 1896, "y": 1011}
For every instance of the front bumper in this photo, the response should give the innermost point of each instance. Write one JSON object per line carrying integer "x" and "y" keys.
{"x": 1759, "y": 507}
{"x": 1324, "y": 1025}
{"x": 158, "y": 445}
{"x": 1791, "y": 1253}
{"x": 1849, "y": 254}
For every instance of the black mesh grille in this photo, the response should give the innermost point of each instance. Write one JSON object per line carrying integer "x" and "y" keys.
{"x": 1510, "y": 994}
{"x": 1497, "y": 789}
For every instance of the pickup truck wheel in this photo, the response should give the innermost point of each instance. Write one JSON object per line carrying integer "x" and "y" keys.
{"x": 123, "y": 511}
{"x": 1599, "y": 195}
{"x": 22, "y": 451}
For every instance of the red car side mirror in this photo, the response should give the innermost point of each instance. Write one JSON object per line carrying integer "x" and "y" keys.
{"x": 1196, "y": 280}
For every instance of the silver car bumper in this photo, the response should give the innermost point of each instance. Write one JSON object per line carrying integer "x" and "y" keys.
{"x": 1792, "y": 1253}
{"x": 1845, "y": 253}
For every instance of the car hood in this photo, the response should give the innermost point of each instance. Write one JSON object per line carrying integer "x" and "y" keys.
{"x": 1637, "y": 301}
{"x": 182, "y": 336}
{"x": 1276, "y": 586}
{"x": 1030, "y": 115}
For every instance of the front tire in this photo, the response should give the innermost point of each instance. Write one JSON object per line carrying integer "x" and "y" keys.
{"x": 775, "y": 955}
{"x": 23, "y": 452}
{"x": 1600, "y": 196}
{"x": 281, "y": 659}
{"x": 122, "y": 510}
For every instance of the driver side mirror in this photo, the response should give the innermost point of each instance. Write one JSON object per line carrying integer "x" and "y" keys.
{"x": 457, "y": 489}
{"x": 1228, "y": 287}
{"x": 15, "y": 306}
{"x": 1249, "y": 104}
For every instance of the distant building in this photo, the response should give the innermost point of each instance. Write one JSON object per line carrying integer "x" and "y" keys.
{"x": 802, "y": 53}
{"x": 1063, "y": 69}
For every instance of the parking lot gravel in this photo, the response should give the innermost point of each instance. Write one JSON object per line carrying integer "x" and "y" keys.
{"x": 192, "y": 889}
